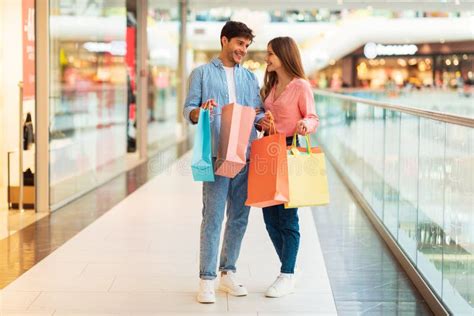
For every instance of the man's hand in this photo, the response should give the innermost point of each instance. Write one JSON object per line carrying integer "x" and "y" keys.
{"x": 194, "y": 115}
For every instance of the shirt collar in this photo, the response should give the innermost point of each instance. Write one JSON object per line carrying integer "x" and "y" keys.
{"x": 218, "y": 62}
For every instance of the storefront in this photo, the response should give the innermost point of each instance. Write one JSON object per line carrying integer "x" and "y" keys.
{"x": 377, "y": 66}
{"x": 17, "y": 108}
{"x": 17, "y": 104}
{"x": 99, "y": 85}
{"x": 164, "y": 75}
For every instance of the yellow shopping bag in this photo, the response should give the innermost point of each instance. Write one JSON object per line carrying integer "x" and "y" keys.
{"x": 307, "y": 179}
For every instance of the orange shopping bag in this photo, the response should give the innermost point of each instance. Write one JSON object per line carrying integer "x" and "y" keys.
{"x": 236, "y": 124}
{"x": 268, "y": 171}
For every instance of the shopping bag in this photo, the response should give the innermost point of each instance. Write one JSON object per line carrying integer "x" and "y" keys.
{"x": 307, "y": 179}
{"x": 268, "y": 171}
{"x": 236, "y": 124}
{"x": 201, "y": 164}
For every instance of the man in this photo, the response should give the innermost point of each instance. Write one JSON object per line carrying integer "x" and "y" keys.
{"x": 213, "y": 85}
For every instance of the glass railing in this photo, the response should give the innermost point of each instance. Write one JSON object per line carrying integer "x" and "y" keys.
{"x": 457, "y": 102}
{"x": 415, "y": 169}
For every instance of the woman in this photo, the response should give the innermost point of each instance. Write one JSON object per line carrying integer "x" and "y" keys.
{"x": 288, "y": 100}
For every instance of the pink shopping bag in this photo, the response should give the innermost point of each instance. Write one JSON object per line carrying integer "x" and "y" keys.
{"x": 236, "y": 124}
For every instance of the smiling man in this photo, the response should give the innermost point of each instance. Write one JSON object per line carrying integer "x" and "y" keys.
{"x": 213, "y": 85}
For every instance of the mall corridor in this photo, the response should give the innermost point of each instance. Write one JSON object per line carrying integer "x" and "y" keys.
{"x": 99, "y": 212}
{"x": 141, "y": 258}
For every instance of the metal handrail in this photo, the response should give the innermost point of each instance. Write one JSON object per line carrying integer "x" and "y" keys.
{"x": 433, "y": 115}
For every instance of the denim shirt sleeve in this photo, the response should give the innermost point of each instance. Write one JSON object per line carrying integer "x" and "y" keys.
{"x": 193, "y": 98}
{"x": 257, "y": 99}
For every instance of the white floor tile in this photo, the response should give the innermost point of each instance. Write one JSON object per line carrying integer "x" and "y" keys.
{"x": 142, "y": 258}
{"x": 77, "y": 313}
{"x": 26, "y": 313}
{"x": 296, "y": 314}
{"x": 196, "y": 313}
{"x": 16, "y": 300}
{"x": 299, "y": 302}
{"x": 54, "y": 282}
{"x": 126, "y": 302}
{"x": 135, "y": 269}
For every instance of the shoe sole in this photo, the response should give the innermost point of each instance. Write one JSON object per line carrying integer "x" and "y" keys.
{"x": 229, "y": 291}
{"x": 204, "y": 301}
{"x": 269, "y": 296}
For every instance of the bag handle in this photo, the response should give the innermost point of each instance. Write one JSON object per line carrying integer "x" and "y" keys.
{"x": 308, "y": 144}
{"x": 272, "y": 130}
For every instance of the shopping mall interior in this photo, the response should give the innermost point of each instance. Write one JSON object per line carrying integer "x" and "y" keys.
{"x": 99, "y": 213}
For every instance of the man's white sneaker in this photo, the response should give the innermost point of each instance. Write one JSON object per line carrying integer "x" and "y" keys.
{"x": 283, "y": 285}
{"x": 230, "y": 285}
{"x": 207, "y": 293}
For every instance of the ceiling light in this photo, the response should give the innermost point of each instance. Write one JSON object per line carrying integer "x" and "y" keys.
{"x": 402, "y": 62}
{"x": 448, "y": 62}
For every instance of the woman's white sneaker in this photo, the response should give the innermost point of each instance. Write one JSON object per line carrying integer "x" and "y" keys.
{"x": 283, "y": 285}
{"x": 207, "y": 293}
{"x": 229, "y": 284}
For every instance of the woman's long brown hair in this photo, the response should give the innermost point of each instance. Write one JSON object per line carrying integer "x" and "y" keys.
{"x": 287, "y": 51}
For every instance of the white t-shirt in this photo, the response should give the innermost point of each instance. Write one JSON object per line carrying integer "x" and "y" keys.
{"x": 229, "y": 73}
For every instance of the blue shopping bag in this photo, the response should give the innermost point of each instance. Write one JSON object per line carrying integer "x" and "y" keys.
{"x": 202, "y": 154}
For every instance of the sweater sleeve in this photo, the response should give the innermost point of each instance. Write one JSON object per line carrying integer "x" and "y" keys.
{"x": 307, "y": 107}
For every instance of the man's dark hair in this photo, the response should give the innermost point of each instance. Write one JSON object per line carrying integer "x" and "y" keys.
{"x": 236, "y": 29}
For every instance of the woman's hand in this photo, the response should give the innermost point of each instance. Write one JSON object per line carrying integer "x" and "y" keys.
{"x": 302, "y": 127}
{"x": 266, "y": 122}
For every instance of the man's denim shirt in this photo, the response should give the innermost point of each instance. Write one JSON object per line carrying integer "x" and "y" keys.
{"x": 209, "y": 82}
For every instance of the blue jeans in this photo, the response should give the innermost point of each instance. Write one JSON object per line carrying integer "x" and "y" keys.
{"x": 284, "y": 231}
{"x": 214, "y": 196}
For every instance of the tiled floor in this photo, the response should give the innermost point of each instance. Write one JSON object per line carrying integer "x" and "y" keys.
{"x": 23, "y": 249}
{"x": 12, "y": 221}
{"x": 141, "y": 257}
{"x": 365, "y": 277}
{"x": 126, "y": 262}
